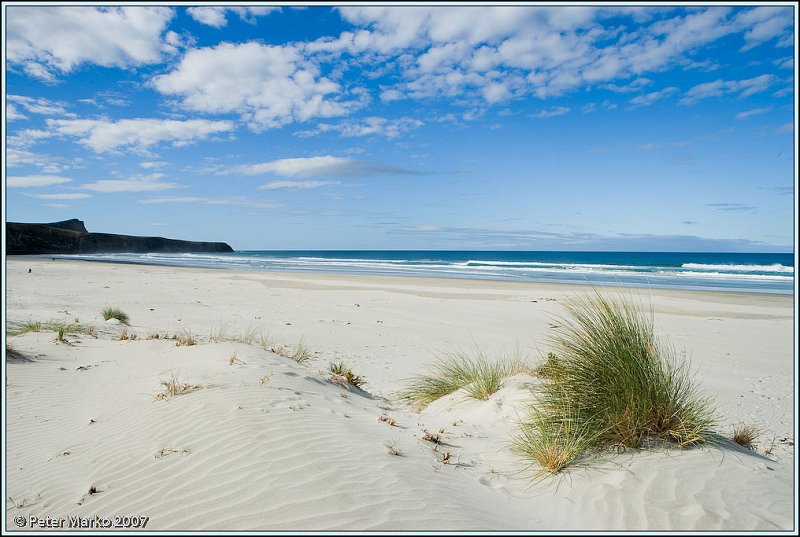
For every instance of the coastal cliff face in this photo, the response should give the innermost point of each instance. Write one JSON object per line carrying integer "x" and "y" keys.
{"x": 71, "y": 237}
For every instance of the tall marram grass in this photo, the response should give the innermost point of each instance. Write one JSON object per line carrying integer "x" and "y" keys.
{"x": 612, "y": 380}
{"x": 478, "y": 375}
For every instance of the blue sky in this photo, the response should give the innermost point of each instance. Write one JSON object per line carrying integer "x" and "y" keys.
{"x": 397, "y": 127}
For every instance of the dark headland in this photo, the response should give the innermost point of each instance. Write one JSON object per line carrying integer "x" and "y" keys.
{"x": 71, "y": 237}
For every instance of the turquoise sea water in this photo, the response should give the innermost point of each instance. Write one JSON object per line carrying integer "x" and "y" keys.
{"x": 762, "y": 273}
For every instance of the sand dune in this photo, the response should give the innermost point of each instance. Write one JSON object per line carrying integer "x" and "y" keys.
{"x": 266, "y": 443}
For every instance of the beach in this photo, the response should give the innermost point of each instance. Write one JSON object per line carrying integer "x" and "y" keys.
{"x": 264, "y": 442}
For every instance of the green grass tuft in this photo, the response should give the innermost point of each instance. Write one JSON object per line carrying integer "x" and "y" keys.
{"x": 479, "y": 376}
{"x": 115, "y": 313}
{"x": 61, "y": 328}
{"x": 340, "y": 372}
{"x": 619, "y": 383}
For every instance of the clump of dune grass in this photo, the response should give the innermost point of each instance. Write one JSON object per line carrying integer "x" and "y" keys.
{"x": 184, "y": 339}
{"x": 115, "y": 313}
{"x": 300, "y": 354}
{"x": 63, "y": 328}
{"x": 31, "y": 326}
{"x": 478, "y": 375}
{"x": 343, "y": 375}
{"x": 126, "y": 336}
{"x": 234, "y": 360}
{"x": 554, "y": 441}
{"x": 614, "y": 383}
{"x": 746, "y": 435}
{"x": 174, "y": 386}
{"x": 547, "y": 369}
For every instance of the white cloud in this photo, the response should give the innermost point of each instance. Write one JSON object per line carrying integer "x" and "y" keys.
{"x": 40, "y": 106}
{"x": 722, "y": 87}
{"x": 649, "y": 98}
{"x": 152, "y": 165}
{"x": 499, "y": 53}
{"x": 765, "y": 23}
{"x": 12, "y": 114}
{"x": 754, "y": 112}
{"x": 210, "y": 16}
{"x": 326, "y": 166}
{"x": 33, "y": 181}
{"x": 59, "y": 196}
{"x": 216, "y": 16}
{"x": 379, "y": 126}
{"x": 295, "y": 185}
{"x": 233, "y": 201}
{"x": 16, "y": 158}
{"x": 269, "y": 86}
{"x": 138, "y": 134}
{"x": 139, "y": 183}
{"x": 46, "y": 41}
{"x": 555, "y": 111}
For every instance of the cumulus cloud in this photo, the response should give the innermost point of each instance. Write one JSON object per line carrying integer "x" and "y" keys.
{"x": 499, "y": 53}
{"x": 138, "y": 134}
{"x": 46, "y": 41}
{"x": 34, "y": 181}
{"x": 217, "y": 16}
{"x": 268, "y": 86}
{"x": 326, "y": 166}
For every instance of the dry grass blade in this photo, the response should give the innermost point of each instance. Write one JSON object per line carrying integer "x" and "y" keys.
{"x": 746, "y": 435}
{"x": 174, "y": 386}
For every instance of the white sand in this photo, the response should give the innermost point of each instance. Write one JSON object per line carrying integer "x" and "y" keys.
{"x": 270, "y": 444}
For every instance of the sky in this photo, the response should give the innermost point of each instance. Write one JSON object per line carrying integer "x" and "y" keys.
{"x": 611, "y": 128}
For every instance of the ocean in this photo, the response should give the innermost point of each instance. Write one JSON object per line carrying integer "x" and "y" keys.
{"x": 743, "y": 272}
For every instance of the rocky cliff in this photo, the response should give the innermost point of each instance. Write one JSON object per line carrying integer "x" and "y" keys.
{"x": 71, "y": 237}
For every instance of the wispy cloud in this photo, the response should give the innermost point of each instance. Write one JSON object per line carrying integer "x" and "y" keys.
{"x": 543, "y": 240}
{"x": 378, "y": 126}
{"x": 554, "y": 111}
{"x": 137, "y": 134}
{"x": 65, "y": 196}
{"x": 296, "y": 185}
{"x": 137, "y": 183}
{"x": 732, "y": 207}
{"x": 34, "y": 181}
{"x": 325, "y": 166}
{"x": 720, "y": 87}
{"x": 232, "y": 201}
{"x": 649, "y": 98}
{"x": 753, "y": 112}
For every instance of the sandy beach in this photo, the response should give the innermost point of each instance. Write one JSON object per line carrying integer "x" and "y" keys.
{"x": 266, "y": 443}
